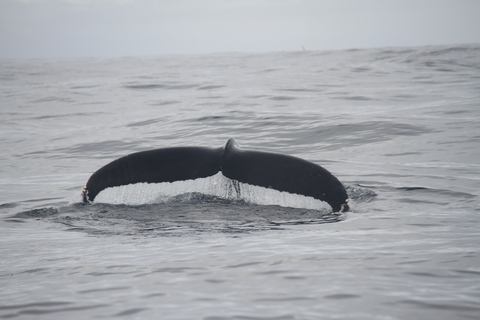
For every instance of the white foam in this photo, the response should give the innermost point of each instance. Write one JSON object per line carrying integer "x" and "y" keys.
{"x": 217, "y": 185}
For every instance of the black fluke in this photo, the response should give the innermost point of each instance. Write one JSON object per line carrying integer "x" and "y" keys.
{"x": 263, "y": 169}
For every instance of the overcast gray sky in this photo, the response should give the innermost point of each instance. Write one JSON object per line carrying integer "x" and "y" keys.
{"x": 72, "y": 28}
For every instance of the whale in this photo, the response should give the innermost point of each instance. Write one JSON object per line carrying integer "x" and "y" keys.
{"x": 228, "y": 172}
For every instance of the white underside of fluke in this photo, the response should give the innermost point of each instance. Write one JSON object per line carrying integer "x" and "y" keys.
{"x": 217, "y": 185}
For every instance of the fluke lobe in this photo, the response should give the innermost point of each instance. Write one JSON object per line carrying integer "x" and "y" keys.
{"x": 280, "y": 172}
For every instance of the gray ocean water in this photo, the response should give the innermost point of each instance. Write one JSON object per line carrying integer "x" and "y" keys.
{"x": 400, "y": 127}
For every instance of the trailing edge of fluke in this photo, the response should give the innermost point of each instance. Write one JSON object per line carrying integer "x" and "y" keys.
{"x": 264, "y": 169}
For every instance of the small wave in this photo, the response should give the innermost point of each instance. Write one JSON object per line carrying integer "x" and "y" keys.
{"x": 361, "y": 69}
{"x": 356, "y": 98}
{"x": 341, "y": 296}
{"x": 212, "y": 87}
{"x": 144, "y": 123}
{"x": 102, "y": 149}
{"x": 145, "y": 86}
{"x": 36, "y": 213}
{"x": 441, "y": 192}
{"x": 35, "y": 305}
{"x": 442, "y": 305}
{"x": 185, "y": 215}
{"x": 129, "y": 312}
{"x": 165, "y": 103}
{"x": 38, "y": 309}
{"x": 360, "y": 194}
{"x": 160, "y": 86}
{"x": 283, "y": 98}
{"x": 299, "y": 90}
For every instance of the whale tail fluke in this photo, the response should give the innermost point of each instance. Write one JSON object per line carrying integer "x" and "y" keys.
{"x": 279, "y": 172}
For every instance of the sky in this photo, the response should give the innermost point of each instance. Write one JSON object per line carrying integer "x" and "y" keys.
{"x": 99, "y": 28}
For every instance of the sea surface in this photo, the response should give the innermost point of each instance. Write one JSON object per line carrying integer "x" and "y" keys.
{"x": 399, "y": 127}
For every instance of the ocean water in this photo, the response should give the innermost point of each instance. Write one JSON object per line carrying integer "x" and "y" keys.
{"x": 400, "y": 127}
